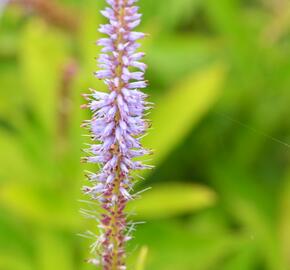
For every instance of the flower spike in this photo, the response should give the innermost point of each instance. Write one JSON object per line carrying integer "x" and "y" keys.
{"x": 117, "y": 126}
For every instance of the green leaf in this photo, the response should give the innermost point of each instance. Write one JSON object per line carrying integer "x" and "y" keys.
{"x": 171, "y": 199}
{"x": 87, "y": 38}
{"x": 249, "y": 203}
{"x": 170, "y": 13}
{"x": 173, "y": 12}
{"x": 13, "y": 155}
{"x": 182, "y": 108}
{"x": 14, "y": 261}
{"x": 228, "y": 19}
{"x": 174, "y": 245}
{"x": 8, "y": 101}
{"x": 245, "y": 258}
{"x": 142, "y": 258}
{"x": 187, "y": 53}
{"x": 35, "y": 204}
{"x": 284, "y": 222}
{"x": 53, "y": 252}
{"x": 43, "y": 54}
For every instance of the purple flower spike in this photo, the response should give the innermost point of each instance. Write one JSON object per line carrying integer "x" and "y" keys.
{"x": 117, "y": 126}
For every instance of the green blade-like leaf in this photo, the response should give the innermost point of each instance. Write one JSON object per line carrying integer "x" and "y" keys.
{"x": 43, "y": 54}
{"x": 141, "y": 261}
{"x": 34, "y": 204}
{"x": 245, "y": 258}
{"x": 174, "y": 245}
{"x": 53, "y": 252}
{"x": 249, "y": 203}
{"x": 8, "y": 262}
{"x": 284, "y": 224}
{"x": 171, "y": 199}
{"x": 182, "y": 108}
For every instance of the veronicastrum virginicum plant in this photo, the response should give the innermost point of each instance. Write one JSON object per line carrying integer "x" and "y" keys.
{"x": 117, "y": 125}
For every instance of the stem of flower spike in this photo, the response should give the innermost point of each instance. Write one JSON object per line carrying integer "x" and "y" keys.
{"x": 118, "y": 222}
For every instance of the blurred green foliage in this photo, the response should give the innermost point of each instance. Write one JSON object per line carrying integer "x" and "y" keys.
{"x": 220, "y": 76}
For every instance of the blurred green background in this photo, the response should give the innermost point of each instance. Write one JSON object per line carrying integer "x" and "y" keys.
{"x": 219, "y": 73}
